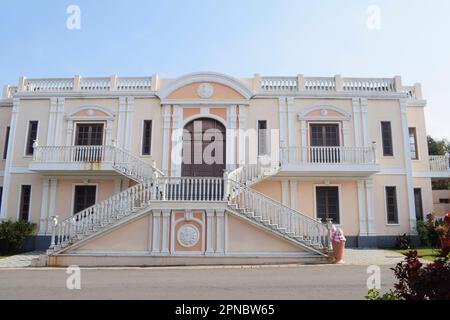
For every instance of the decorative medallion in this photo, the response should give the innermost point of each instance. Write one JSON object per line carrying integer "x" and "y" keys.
{"x": 188, "y": 235}
{"x": 324, "y": 112}
{"x": 90, "y": 112}
{"x": 205, "y": 90}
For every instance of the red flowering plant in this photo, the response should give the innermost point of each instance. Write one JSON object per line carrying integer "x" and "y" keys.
{"x": 423, "y": 282}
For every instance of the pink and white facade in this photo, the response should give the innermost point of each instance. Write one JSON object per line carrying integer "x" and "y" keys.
{"x": 99, "y": 164}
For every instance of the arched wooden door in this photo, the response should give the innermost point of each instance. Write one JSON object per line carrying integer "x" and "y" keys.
{"x": 204, "y": 147}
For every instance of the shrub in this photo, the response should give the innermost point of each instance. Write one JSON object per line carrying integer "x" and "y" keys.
{"x": 13, "y": 234}
{"x": 375, "y": 295}
{"x": 427, "y": 231}
{"x": 403, "y": 242}
{"x": 419, "y": 282}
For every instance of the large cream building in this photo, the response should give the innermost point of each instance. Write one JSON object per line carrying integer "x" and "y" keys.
{"x": 99, "y": 164}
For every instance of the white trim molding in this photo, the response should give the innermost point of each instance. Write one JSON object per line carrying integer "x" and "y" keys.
{"x": 199, "y": 77}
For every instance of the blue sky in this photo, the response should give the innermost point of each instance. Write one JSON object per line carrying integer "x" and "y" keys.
{"x": 238, "y": 37}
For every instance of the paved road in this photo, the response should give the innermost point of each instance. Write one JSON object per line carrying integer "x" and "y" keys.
{"x": 293, "y": 282}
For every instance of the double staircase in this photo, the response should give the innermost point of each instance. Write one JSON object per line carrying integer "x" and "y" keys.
{"x": 233, "y": 189}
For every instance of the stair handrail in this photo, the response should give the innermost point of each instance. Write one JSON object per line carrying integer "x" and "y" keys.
{"x": 251, "y": 172}
{"x": 323, "y": 235}
{"x": 102, "y": 212}
{"x": 129, "y": 164}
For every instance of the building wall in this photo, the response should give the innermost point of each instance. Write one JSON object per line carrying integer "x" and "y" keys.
{"x": 297, "y": 191}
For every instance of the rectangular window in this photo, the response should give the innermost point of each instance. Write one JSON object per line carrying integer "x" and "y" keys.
{"x": 84, "y": 198}
{"x": 325, "y": 135}
{"x": 147, "y": 138}
{"x": 89, "y": 134}
{"x": 31, "y": 137}
{"x": 413, "y": 144}
{"x": 418, "y": 203}
{"x": 262, "y": 137}
{"x": 444, "y": 201}
{"x": 327, "y": 203}
{"x": 25, "y": 201}
{"x": 5, "y": 150}
{"x": 386, "y": 133}
{"x": 391, "y": 205}
{"x": 1, "y": 196}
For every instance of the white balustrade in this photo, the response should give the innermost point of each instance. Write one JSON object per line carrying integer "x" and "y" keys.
{"x": 189, "y": 189}
{"x": 250, "y": 173}
{"x": 320, "y": 84}
{"x": 410, "y": 92}
{"x": 134, "y": 84}
{"x": 275, "y": 85}
{"x": 128, "y": 164}
{"x": 279, "y": 84}
{"x": 73, "y": 154}
{"x": 440, "y": 163}
{"x": 11, "y": 92}
{"x": 273, "y": 213}
{"x": 123, "y": 161}
{"x": 137, "y": 197}
{"x": 369, "y": 85}
{"x": 328, "y": 155}
{"x": 95, "y": 84}
{"x": 48, "y": 85}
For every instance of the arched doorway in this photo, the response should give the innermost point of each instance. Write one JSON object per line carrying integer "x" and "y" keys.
{"x": 204, "y": 148}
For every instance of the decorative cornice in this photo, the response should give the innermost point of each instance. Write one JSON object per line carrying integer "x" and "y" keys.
{"x": 199, "y": 77}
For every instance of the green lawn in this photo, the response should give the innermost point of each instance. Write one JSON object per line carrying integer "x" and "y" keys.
{"x": 425, "y": 253}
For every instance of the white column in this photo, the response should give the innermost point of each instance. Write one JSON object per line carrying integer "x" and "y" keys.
{"x": 285, "y": 192}
{"x": 345, "y": 130}
{"x": 365, "y": 121}
{"x": 294, "y": 194}
{"x": 51, "y": 122}
{"x": 166, "y": 137}
{"x": 242, "y": 130}
{"x": 408, "y": 167}
{"x": 43, "y": 221}
{"x": 370, "y": 208}
{"x": 362, "y": 208}
{"x": 117, "y": 185}
{"x": 304, "y": 133}
{"x": 165, "y": 231}
{"x": 357, "y": 122}
{"x": 209, "y": 233}
{"x": 220, "y": 231}
{"x": 52, "y": 203}
{"x": 129, "y": 125}
{"x": 231, "y": 138}
{"x": 156, "y": 239}
{"x": 59, "y": 121}
{"x": 121, "y": 122}
{"x": 291, "y": 121}
{"x": 108, "y": 132}
{"x": 283, "y": 120}
{"x": 8, "y": 164}
{"x": 69, "y": 133}
{"x": 177, "y": 141}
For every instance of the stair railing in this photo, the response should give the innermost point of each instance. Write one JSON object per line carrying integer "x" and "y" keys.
{"x": 249, "y": 173}
{"x": 303, "y": 228}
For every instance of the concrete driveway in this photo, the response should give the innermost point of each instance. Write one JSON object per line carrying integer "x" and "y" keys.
{"x": 283, "y": 282}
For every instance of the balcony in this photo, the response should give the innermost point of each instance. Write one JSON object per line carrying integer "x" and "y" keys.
{"x": 440, "y": 166}
{"x": 329, "y": 161}
{"x": 54, "y": 159}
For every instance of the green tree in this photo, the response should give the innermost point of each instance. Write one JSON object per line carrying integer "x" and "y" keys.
{"x": 438, "y": 147}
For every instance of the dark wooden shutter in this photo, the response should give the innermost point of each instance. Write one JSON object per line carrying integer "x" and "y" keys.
{"x": 391, "y": 205}
{"x": 327, "y": 203}
{"x": 32, "y": 135}
{"x": 147, "y": 138}
{"x": 25, "y": 201}
{"x": 386, "y": 132}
